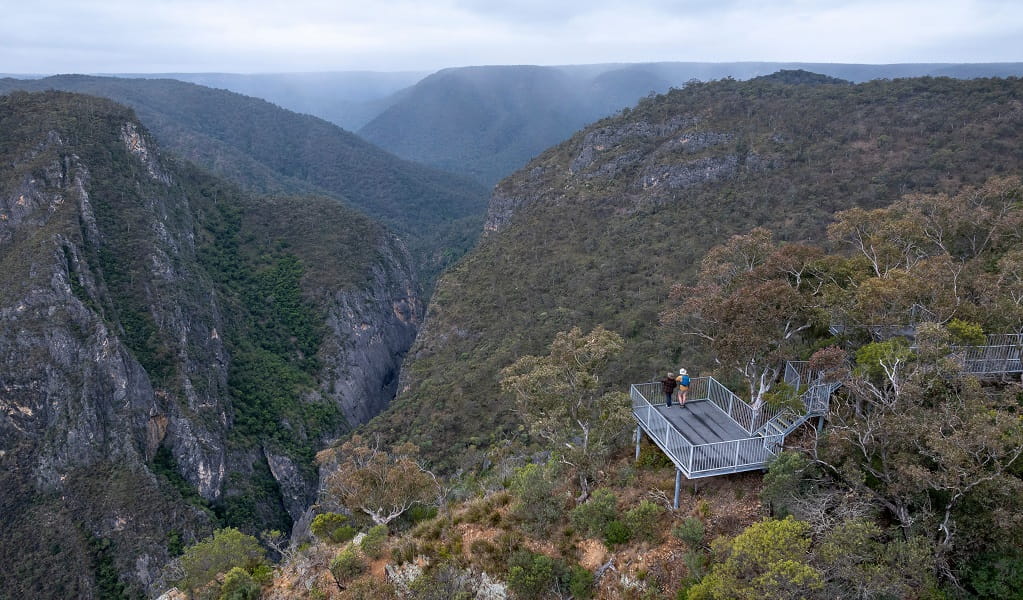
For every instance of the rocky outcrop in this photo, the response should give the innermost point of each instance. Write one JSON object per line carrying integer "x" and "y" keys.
{"x": 641, "y": 158}
{"x": 113, "y": 334}
{"x": 371, "y": 330}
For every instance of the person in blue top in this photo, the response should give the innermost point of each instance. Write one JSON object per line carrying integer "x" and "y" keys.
{"x": 683, "y": 386}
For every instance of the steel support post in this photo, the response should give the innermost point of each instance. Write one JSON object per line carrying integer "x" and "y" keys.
{"x": 678, "y": 485}
{"x": 639, "y": 435}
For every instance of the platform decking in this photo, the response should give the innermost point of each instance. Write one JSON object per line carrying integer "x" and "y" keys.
{"x": 702, "y": 422}
{"x": 716, "y": 432}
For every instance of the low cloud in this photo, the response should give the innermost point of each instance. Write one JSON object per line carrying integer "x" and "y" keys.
{"x": 312, "y": 35}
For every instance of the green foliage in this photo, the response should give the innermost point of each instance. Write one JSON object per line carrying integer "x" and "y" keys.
{"x": 782, "y": 395}
{"x": 651, "y": 457}
{"x": 767, "y": 560}
{"x": 875, "y": 358}
{"x": 373, "y": 542}
{"x": 579, "y": 582}
{"x": 617, "y": 533}
{"x": 563, "y": 401}
{"x": 420, "y": 513}
{"x": 239, "y": 585}
{"x": 645, "y": 521}
{"x": 997, "y": 576}
{"x": 405, "y": 551}
{"x": 346, "y": 566}
{"x": 691, "y": 531}
{"x": 784, "y": 480}
{"x": 593, "y": 516}
{"x": 108, "y": 580}
{"x": 531, "y": 575}
{"x": 965, "y": 333}
{"x": 226, "y": 549}
{"x": 538, "y": 506}
{"x": 332, "y": 527}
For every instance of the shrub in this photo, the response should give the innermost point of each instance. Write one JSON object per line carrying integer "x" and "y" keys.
{"x": 421, "y": 512}
{"x": 530, "y": 575}
{"x": 373, "y": 543}
{"x": 405, "y": 551}
{"x": 616, "y": 533}
{"x": 784, "y": 481}
{"x": 539, "y": 507}
{"x": 239, "y": 585}
{"x": 579, "y": 582}
{"x": 592, "y": 517}
{"x": 226, "y": 549}
{"x": 332, "y": 527}
{"x": 869, "y": 358}
{"x": 691, "y": 531}
{"x": 651, "y": 457}
{"x": 346, "y": 566}
{"x": 645, "y": 521}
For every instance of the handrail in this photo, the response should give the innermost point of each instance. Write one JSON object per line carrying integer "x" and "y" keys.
{"x": 729, "y": 456}
{"x": 1001, "y": 354}
{"x": 697, "y": 459}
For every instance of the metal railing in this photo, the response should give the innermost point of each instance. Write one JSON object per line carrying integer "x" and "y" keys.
{"x": 701, "y": 460}
{"x": 731, "y": 456}
{"x": 1001, "y": 354}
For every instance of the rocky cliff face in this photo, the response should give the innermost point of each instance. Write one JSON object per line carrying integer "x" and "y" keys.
{"x": 118, "y": 399}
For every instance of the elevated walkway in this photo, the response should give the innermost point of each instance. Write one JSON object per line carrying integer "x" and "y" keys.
{"x": 1000, "y": 355}
{"x": 718, "y": 433}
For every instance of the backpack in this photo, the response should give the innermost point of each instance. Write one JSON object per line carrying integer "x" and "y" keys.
{"x": 685, "y": 380}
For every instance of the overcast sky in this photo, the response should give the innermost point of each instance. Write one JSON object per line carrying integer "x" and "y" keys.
{"x": 250, "y": 36}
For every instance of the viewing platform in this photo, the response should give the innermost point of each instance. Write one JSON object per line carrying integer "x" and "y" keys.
{"x": 718, "y": 433}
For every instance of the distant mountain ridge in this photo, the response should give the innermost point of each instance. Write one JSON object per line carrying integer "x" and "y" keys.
{"x": 349, "y": 99}
{"x": 487, "y": 121}
{"x": 269, "y": 149}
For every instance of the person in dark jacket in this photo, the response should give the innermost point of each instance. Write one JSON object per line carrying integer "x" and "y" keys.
{"x": 668, "y": 387}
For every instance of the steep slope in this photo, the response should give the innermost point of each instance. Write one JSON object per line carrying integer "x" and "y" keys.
{"x": 595, "y": 230}
{"x": 269, "y": 149}
{"x": 173, "y": 351}
{"x": 486, "y": 122}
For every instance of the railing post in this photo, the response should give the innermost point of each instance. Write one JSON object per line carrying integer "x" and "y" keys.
{"x": 735, "y": 464}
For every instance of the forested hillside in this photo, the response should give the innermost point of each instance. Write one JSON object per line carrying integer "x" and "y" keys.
{"x": 267, "y": 149}
{"x": 596, "y": 230}
{"x": 173, "y": 350}
{"x": 871, "y": 229}
{"x": 486, "y": 122}
{"x": 910, "y": 490}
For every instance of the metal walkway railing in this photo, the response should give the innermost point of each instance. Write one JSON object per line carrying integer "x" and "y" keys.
{"x": 766, "y": 428}
{"x": 1001, "y": 354}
